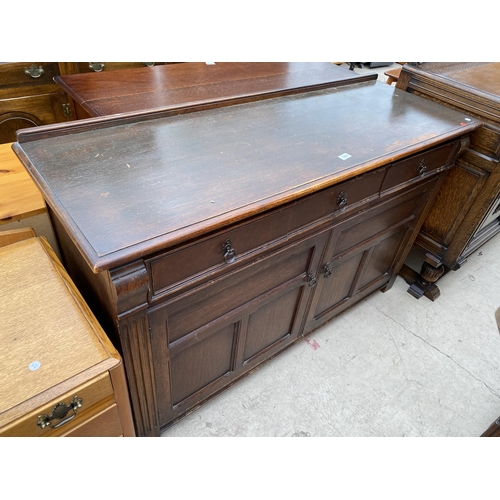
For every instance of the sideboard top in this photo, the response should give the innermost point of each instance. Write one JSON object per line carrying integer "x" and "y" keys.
{"x": 193, "y": 84}
{"x": 128, "y": 188}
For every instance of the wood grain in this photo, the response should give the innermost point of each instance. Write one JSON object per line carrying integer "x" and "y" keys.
{"x": 194, "y": 84}
{"x": 231, "y": 162}
{"x": 19, "y": 195}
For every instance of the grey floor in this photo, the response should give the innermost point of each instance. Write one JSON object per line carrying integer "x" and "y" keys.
{"x": 390, "y": 366}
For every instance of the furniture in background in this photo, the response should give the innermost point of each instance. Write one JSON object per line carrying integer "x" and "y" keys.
{"x": 207, "y": 242}
{"x": 466, "y": 212}
{"x": 60, "y": 374}
{"x": 21, "y": 204}
{"x": 392, "y": 75}
{"x": 199, "y": 85}
{"x": 29, "y": 96}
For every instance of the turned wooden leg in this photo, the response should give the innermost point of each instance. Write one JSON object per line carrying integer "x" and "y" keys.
{"x": 423, "y": 283}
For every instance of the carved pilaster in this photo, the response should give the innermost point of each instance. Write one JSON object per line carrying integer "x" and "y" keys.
{"x": 130, "y": 285}
{"x": 136, "y": 347}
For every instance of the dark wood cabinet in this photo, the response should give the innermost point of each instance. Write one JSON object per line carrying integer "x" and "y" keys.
{"x": 29, "y": 97}
{"x": 209, "y": 241}
{"x": 466, "y": 212}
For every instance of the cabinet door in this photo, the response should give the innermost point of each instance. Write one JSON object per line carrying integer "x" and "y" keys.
{"x": 363, "y": 252}
{"x": 206, "y": 338}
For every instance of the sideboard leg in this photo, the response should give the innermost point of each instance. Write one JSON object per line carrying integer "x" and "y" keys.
{"x": 423, "y": 283}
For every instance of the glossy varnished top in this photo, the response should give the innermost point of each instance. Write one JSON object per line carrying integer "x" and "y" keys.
{"x": 125, "y": 188}
{"x": 188, "y": 84}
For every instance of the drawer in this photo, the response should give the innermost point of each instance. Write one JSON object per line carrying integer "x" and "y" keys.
{"x": 30, "y": 73}
{"x": 104, "y": 423}
{"x": 234, "y": 292}
{"x": 90, "y": 393}
{"x": 243, "y": 241}
{"x": 418, "y": 166}
{"x": 89, "y": 67}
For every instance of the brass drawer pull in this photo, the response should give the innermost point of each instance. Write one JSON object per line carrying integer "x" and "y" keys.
{"x": 342, "y": 200}
{"x": 59, "y": 412}
{"x": 228, "y": 252}
{"x": 97, "y": 66}
{"x": 422, "y": 168}
{"x": 34, "y": 71}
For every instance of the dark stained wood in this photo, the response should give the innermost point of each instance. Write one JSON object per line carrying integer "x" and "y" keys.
{"x": 202, "y": 240}
{"x": 463, "y": 216}
{"x": 237, "y": 161}
{"x": 188, "y": 84}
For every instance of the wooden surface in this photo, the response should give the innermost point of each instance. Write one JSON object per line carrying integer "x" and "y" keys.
{"x": 19, "y": 196}
{"x": 157, "y": 182}
{"x": 15, "y": 235}
{"x": 44, "y": 320}
{"x": 190, "y": 84}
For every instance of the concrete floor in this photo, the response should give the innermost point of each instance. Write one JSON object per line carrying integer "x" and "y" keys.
{"x": 390, "y": 366}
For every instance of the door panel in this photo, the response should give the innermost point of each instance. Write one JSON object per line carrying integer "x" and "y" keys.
{"x": 208, "y": 337}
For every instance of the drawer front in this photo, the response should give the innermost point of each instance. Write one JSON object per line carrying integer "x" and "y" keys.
{"x": 97, "y": 67}
{"x": 30, "y": 73}
{"x": 90, "y": 393}
{"x": 208, "y": 302}
{"x": 418, "y": 166}
{"x": 254, "y": 237}
{"x": 104, "y": 423}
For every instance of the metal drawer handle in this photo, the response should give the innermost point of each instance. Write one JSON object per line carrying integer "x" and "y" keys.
{"x": 342, "y": 200}
{"x": 327, "y": 271}
{"x": 97, "y": 66}
{"x": 59, "y": 412}
{"x": 422, "y": 168}
{"x": 497, "y": 209}
{"x": 34, "y": 71}
{"x": 228, "y": 252}
{"x": 311, "y": 280}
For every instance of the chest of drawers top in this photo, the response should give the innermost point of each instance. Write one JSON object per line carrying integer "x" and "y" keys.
{"x": 50, "y": 343}
{"x": 128, "y": 186}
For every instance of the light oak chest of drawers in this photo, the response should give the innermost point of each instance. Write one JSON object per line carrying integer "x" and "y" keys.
{"x": 60, "y": 374}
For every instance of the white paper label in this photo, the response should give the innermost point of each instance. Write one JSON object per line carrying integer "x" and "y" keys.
{"x": 344, "y": 156}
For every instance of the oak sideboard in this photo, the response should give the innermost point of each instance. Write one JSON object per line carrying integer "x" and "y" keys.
{"x": 209, "y": 241}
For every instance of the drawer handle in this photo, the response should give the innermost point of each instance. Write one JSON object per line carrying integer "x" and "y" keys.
{"x": 97, "y": 66}
{"x": 34, "y": 71}
{"x": 228, "y": 252}
{"x": 327, "y": 271}
{"x": 422, "y": 168}
{"x": 311, "y": 280}
{"x": 497, "y": 209}
{"x": 342, "y": 200}
{"x": 59, "y": 412}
